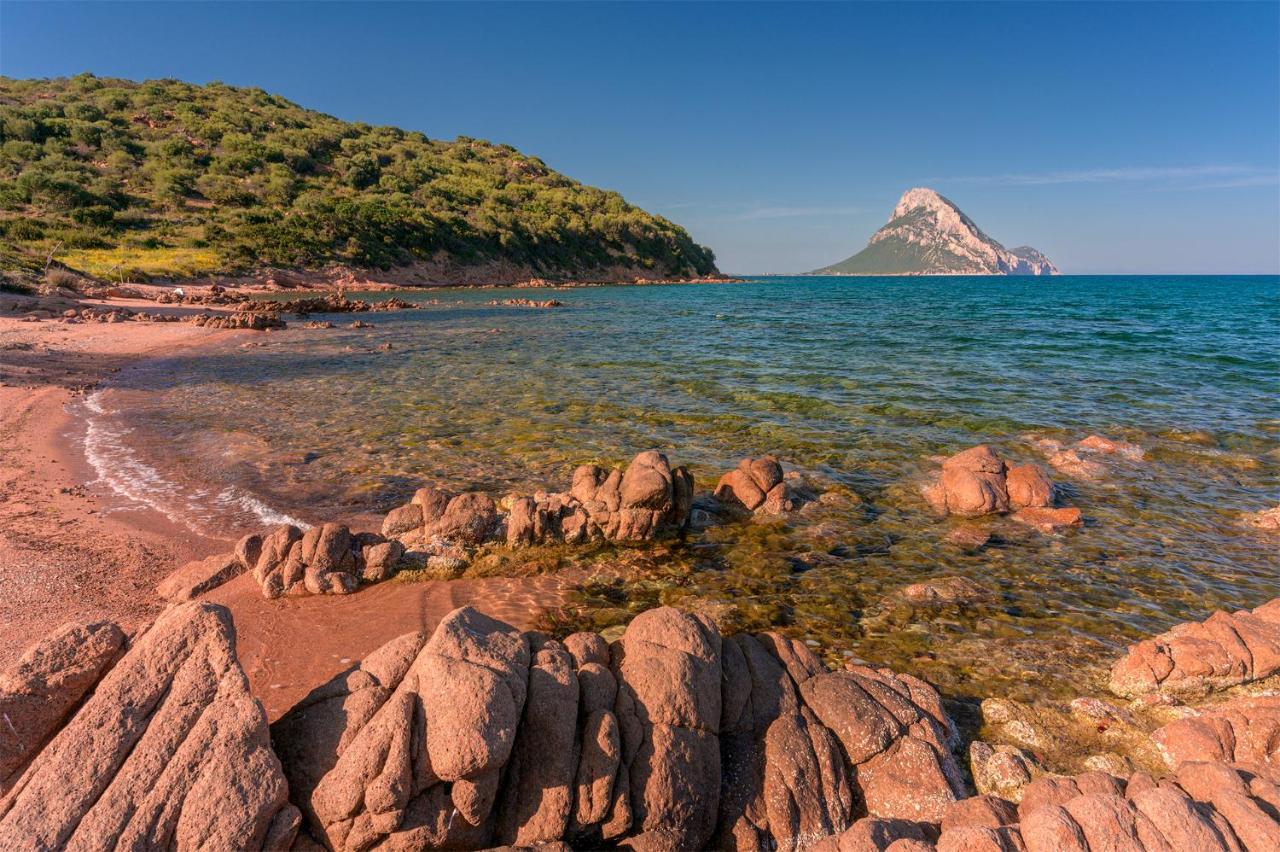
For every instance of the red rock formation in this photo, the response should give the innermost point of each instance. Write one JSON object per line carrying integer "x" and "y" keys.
{"x": 1225, "y": 650}
{"x": 755, "y": 485}
{"x": 978, "y": 482}
{"x": 671, "y": 738}
{"x": 1244, "y": 731}
{"x": 170, "y": 750}
{"x": 38, "y": 691}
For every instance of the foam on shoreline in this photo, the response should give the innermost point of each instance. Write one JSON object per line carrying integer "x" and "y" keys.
{"x": 120, "y": 469}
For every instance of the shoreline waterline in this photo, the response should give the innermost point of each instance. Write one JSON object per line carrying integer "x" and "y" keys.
{"x": 338, "y": 423}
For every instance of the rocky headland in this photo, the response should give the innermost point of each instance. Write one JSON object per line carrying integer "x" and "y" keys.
{"x": 928, "y": 234}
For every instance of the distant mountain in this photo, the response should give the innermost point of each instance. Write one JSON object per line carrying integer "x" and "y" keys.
{"x": 929, "y": 235}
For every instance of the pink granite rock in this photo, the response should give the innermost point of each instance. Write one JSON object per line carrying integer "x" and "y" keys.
{"x": 1225, "y": 650}
{"x": 40, "y": 689}
{"x": 169, "y": 750}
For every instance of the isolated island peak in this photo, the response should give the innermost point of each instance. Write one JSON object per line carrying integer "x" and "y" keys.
{"x": 927, "y": 234}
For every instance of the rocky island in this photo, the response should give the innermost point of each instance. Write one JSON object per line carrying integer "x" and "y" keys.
{"x": 929, "y": 235}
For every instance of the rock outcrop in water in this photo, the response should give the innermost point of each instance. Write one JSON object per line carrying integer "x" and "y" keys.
{"x": 756, "y": 485}
{"x": 978, "y": 482}
{"x": 1085, "y": 458}
{"x": 928, "y": 235}
{"x": 1227, "y": 649}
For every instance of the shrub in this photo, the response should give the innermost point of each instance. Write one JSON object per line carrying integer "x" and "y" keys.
{"x": 56, "y": 278}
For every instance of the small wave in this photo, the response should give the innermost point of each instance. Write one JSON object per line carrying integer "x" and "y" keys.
{"x": 122, "y": 471}
{"x": 232, "y": 496}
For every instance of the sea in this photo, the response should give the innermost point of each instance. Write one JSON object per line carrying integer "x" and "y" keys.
{"x": 859, "y": 383}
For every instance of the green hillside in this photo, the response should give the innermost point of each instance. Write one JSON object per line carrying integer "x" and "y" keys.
{"x": 894, "y": 256}
{"x": 165, "y": 178}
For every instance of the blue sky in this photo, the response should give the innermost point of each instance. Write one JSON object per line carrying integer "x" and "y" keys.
{"x": 1138, "y": 137}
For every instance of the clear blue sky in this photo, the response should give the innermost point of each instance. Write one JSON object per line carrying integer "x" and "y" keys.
{"x": 1137, "y": 137}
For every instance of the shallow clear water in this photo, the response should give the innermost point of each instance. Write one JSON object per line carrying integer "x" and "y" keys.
{"x": 856, "y": 381}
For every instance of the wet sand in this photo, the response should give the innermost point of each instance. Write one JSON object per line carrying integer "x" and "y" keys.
{"x": 289, "y": 646}
{"x": 63, "y": 555}
{"x": 69, "y": 552}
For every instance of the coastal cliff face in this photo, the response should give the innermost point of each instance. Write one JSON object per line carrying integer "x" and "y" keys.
{"x": 929, "y": 235}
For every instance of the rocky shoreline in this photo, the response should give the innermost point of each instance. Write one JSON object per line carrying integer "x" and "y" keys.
{"x": 673, "y": 734}
{"x": 672, "y": 737}
{"x": 1183, "y": 754}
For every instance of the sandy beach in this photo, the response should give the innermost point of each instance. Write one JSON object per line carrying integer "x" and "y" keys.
{"x": 61, "y": 556}
{"x": 69, "y": 551}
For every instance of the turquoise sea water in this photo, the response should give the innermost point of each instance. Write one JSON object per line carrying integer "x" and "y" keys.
{"x": 855, "y": 381}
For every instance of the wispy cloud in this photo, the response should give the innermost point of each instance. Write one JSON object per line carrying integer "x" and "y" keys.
{"x": 793, "y": 212}
{"x": 1217, "y": 176}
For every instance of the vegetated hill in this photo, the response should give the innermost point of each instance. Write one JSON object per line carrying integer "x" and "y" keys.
{"x": 173, "y": 179}
{"x": 929, "y": 235}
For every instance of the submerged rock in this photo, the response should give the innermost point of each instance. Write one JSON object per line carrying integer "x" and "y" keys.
{"x": 1109, "y": 446}
{"x": 1266, "y": 519}
{"x": 1070, "y": 463}
{"x": 1049, "y": 520}
{"x": 947, "y": 591}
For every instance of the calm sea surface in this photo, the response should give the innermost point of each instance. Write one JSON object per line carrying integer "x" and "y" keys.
{"x": 857, "y": 382}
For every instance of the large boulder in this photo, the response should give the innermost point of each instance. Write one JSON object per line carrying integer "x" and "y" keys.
{"x": 280, "y": 569}
{"x": 755, "y": 485}
{"x": 1029, "y": 486}
{"x": 170, "y": 750}
{"x": 783, "y": 775}
{"x": 409, "y": 748}
{"x": 897, "y": 737}
{"x": 1244, "y": 731}
{"x": 647, "y": 500}
{"x": 314, "y": 735}
{"x": 668, "y": 708}
{"x": 50, "y": 678}
{"x": 540, "y": 778}
{"x": 329, "y": 554}
{"x": 972, "y": 483}
{"x": 468, "y": 519}
{"x": 673, "y": 738}
{"x": 1227, "y": 649}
